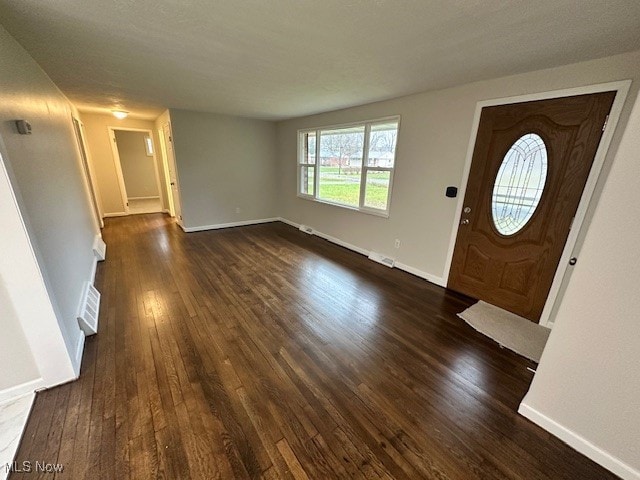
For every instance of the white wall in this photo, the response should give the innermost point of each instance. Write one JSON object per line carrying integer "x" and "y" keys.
{"x": 138, "y": 168}
{"x": 46, "y": 175}
{"x": 15, "y": 352}
{"x": 34, "y": 353}
{"x": 99, "y": 145}
{"x": 432, "y": 145}
{"x": 224, "y": 163}
{"x": 588, "y": 381}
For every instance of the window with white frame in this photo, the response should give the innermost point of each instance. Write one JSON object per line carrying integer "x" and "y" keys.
{"x": 349, "y": 165}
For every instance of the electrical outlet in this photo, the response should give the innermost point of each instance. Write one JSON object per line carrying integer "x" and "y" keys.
{"x": 397, "y": 243}
{"x": 237, "y": 209}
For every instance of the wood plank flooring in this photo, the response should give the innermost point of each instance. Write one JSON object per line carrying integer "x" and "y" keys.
{"x": 261, "y": 352}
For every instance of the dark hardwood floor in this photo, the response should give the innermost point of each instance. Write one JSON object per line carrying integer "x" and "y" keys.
{"x": 263, "y": 352}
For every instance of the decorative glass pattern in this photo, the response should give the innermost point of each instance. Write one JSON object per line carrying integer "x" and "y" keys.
{"x": 519, "y": 184}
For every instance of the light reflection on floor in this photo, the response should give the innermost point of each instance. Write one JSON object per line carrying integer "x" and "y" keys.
{"x": 356, "y": 307}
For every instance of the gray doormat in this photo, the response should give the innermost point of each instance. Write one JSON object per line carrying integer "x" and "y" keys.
{"x": 508, "y": 329}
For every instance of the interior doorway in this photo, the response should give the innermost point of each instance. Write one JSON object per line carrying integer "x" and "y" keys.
{"x": 137, "y": 169}
{"x": 530, "y": 165}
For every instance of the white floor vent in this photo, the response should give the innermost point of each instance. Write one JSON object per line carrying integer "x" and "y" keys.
{"x": 99, "y": 249}
{"x": 89, "y": 310}
{"x": 306, "y": 229}
{"x": 378, "y": 257}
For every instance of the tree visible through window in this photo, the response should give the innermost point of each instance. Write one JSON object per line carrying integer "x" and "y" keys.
{"x": 355, "y": 164}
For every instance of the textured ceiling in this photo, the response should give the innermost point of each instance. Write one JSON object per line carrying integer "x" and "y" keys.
{"x": 283, "y": 58}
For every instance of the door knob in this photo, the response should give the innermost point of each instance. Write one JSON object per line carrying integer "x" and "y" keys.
{"x": 464, "y": 221}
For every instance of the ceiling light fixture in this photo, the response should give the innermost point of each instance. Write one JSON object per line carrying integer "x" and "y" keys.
{"x": 120, "y": 114}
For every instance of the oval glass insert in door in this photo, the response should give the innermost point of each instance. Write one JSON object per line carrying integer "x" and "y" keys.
{"x": 519, "y": 184}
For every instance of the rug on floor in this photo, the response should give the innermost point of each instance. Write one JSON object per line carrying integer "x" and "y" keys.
{"x": 508, "y": 329}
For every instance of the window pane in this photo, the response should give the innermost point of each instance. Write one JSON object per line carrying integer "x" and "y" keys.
{"x": 341, "y": 165}
{"x": 307, "y": 180}
{"x": 519, "y": 184}
{"x": 309, "y": 141}
{"x": 382, "y": 144}
{"x": 376, "y": 191}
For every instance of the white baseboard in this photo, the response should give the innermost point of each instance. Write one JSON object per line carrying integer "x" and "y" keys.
{"x": 579, "y": 443}
{"x": 115, "y": 214}
{"x": 441, "y": 282}
{"x": 337, "y": 241}
{"x": 227, "y": 225}
{"x": 11, "y": 393}
{"x": 289, "y": 222}
{"x": 329, "y": 238}
{"x": 407, "y": 268}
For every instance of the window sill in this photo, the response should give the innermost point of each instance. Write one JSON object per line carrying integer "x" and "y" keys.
{"x": 368, "y": 211}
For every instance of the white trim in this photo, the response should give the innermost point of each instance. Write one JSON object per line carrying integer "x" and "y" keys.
{"x": 441, "y": 282}
{"x": 368, "y": 211}
{"x": 111, "y": 132}
{"x": 116, "y": 214}
{"x": 621, "y": 88}
{"x": 85, "y": 157}
{"x": 77, "y": 359}
{"x": 579, "y": 443}
{"x": 342, "y": 243}
{"x": 175, "y": 198}
{"x": 288, "y": 222}
{"x": 165, "y": 169}
{"x": 152, "y": 197}
{"x": 228, "y": 225}
{"x": 17, "y": 391}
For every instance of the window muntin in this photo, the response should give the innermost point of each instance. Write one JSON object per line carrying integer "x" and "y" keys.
{"x": 519, "y": 184}
{"x": 354, "y": 162}
{"x": 307, "y": 164}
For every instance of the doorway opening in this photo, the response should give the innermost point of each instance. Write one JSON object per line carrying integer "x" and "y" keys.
{"x": 135, "y": 158}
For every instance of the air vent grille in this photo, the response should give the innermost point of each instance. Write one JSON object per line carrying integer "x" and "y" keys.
{"x": 382, "y": 259}
{"x": 89, "y": 310}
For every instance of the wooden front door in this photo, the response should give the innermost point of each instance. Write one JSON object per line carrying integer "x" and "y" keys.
{"x": 530, "y": 164}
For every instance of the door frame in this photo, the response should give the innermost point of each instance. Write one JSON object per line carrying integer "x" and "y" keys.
{"x": 89, "y": 173}
{"x": 118, "y": 166}
{"x": 621, "y": 88}
{"x": 173, "y": 201}
{"x": 165, "y": 169}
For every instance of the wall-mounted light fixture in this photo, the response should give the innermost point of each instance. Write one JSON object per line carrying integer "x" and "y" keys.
{"x": 119, "y": 114}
